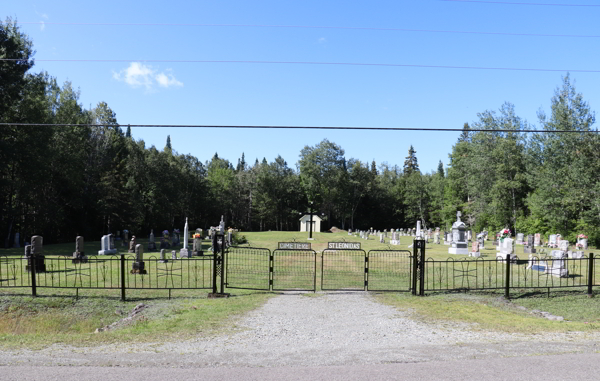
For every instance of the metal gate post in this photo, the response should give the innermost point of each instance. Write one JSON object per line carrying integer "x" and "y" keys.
{"x": 33, "y": 262}
{"x": 222, "y": 263}
{"x": 418, "y": 267}
{"x": 215, "y": 255}
{"x": 507, "y": 285}
{"x": 415, "y": 271}
{"x": 218, "y": 266}
{"x": 422, "y": 268}
{"x": 123, "y": 277}
{"x": 590, "y": 275}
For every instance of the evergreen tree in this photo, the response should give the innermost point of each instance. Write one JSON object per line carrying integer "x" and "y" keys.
{"x": 465, "y": 135}
{"x": 168, "y": 146}
{"x": 128, "y": 133}
{"x": 440, "y": 169}
{"x": 410, "y": 164}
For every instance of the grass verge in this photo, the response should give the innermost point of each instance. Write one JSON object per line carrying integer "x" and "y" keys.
{"x": 493, "y": 312}
{"x": 35, "y": 323}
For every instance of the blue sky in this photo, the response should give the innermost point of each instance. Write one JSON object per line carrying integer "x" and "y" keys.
{"x": 313, "y": 95}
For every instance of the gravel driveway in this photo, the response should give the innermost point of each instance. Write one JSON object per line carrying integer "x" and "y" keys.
{"x": 328, "y": 329}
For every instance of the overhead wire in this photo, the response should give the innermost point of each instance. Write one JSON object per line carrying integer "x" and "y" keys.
{"x": 348, "y": 128}
{"x": 313, "y": 63}
{"x": 309, "y": 27}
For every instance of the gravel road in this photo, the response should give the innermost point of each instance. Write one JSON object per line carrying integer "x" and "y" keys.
{"x": 325, "y": 330}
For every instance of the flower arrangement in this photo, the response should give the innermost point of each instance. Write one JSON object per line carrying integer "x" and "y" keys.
{"x": 505, "y": 234}
{"x": 176, "y": 231}
{"x": 197, "y": 235}
{"x": 579, "y": 245}
{"x": 582, "y": 236}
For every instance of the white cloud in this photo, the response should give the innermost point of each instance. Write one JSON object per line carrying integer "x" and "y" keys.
{"x": 42, "y": 26}
{"x": 165, "y": 80}
{"x": 137, "y": 74}
{"x": 45, "y": 16}
{"x": 322, "y": 40}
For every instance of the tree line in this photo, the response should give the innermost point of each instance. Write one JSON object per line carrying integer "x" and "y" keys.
{"x": 95, "y": 177}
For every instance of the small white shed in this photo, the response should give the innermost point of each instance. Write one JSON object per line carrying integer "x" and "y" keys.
{"x": 305, "y": 223}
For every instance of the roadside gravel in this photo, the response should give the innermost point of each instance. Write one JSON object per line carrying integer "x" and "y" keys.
{"x": 328, "y": 329}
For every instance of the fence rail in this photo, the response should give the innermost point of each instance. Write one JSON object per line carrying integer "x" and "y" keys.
{"x": 281, "y": 270}
{"x": 497, "y": 274}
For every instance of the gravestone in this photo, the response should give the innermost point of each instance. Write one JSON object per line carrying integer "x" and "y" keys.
{"x": 579, "y": 254}
{"x": 381, "y": 239}
{"x": 17, "y": 240}
{"x": 520, "y": 237}
{"x": 174, "y": 254}
{"x": 529, "y": 247}
{"x": 459, "y": 238}
{"x": 151, "y": 243}
{"x": 132, "y": 245}
{"x": 418, "y": 230}
{"x": 183, "y": 253}
{"x": 27, "y": 252}
{"x": 138, "y": 266}
{"x": 481, "y": 240}
{"x": 105, "y": 246}
{"x": 436, "y": 238}
{"x": 36, "y": 255}
{"x": 197, "y": 248}
{"x": 537, "y": 240}
{"x": 175, "y": 238}
{"x": 563, "y": 245}
{"x": 582, "y": 242}
{"x": 553, "y": 241}
{"x": 475, "y": 250}
{"x": 506, "y": 250}
{"x": 222, "y": 226}
{"x": 162, "y": 257}
{"x": 79, "y": 254}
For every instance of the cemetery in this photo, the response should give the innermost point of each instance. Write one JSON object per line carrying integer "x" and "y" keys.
{"x": 369, "y": 259}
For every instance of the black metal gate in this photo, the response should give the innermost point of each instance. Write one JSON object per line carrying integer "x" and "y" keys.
{"x": 343, "y": 270}
{"x": 355, "y": 270}
{"x": 389, "y": 270}
{"x": 259, "y": 269}
{"x": 294, "y": 270}
{"x": 248, "y": 268}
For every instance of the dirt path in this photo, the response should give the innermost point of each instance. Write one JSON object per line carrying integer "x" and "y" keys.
{"x": 325, "y": 330}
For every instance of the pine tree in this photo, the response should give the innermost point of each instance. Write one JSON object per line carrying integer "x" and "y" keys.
{"x": 440, "y": 169}
{"x": 373, "y": 169}
{"x": 128, "y": 133}
{"x": 410, "y": 164}
{"x": 168, "y": 146}
{"x": 465, "y": 135}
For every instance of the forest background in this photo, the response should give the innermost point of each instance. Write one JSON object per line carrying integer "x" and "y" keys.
{"x": 61, "y": 181}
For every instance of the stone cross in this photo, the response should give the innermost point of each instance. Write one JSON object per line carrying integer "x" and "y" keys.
{"x": 458, "y": 214}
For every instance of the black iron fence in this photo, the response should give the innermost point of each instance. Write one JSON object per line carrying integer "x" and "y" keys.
{"x": 107, "y": 272}
{"x": 501, "y": 274}
{"x": 281, "y": 270}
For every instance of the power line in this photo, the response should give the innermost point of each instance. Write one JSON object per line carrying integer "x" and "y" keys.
{"x": 513, "y": 3}
{"x": 314, "y": 27}
{"x": 291, "y": 127}
{"x": 313, "y": 63}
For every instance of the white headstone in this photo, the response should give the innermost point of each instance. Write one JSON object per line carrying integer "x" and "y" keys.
{"x": 105, "y": 246}
{"x": 185, "y": 234}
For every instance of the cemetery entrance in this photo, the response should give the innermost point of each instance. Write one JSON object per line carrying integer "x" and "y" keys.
{"x": 280, "y": 270}
{"x": 355, "y": 270}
